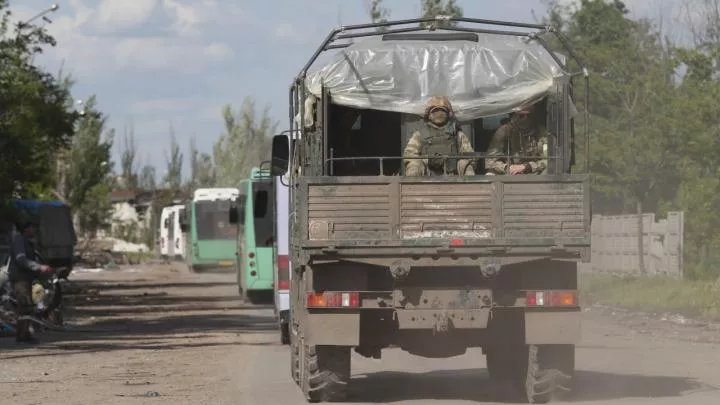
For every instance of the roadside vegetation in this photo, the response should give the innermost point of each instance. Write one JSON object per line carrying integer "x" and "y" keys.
{"x": 693, "y": 298}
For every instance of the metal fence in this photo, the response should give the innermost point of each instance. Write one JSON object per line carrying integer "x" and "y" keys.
{"x": 615, "y": 245}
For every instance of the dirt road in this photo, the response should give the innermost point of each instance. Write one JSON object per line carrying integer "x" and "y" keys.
{"x": 158, "y": 335}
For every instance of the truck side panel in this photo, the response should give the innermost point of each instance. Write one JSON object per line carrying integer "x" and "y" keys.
{"x": 372, "y": 211}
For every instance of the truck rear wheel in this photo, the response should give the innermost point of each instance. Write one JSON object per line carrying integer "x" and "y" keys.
{"x": 325, "y": 372}
{"x": 294, "y": 358}
{"x": 499, "y": 364}
{"x": 546, "y": 372}
{"x": 284, "y": 333}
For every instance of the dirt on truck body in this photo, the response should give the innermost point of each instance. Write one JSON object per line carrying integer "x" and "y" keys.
{"x": 433, "y": 265}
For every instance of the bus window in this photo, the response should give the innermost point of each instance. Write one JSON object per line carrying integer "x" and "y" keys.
{"x": 261, "y": 204}
{"x": 263, "y": 213}
{"x": 212, "y": 221}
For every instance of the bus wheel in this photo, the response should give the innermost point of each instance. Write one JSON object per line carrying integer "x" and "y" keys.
{"x": 255, "y": 297}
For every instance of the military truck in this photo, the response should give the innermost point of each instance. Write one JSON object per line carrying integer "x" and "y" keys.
{"x": 433, "y": 265}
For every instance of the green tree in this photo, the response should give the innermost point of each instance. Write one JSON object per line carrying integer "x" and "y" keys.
{"x": 174, "y": 162}
{"x": 34, "y": 121}
{"x": 147, "y": 180}
{"x": 379, "y": 13}
{"x": 635, "y": 138}
{"x": 246, "y": 143}
{"x": 697, "y": 119}
{"x": 89, "y": 176}
{"x": 202, "y": 168}
{"x": 434, "y": 8}
{"x": 128, "y": 160}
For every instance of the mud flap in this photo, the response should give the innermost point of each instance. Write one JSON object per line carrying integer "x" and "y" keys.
{"x": 543, "y": 328}
{"x": 332, "y": 329}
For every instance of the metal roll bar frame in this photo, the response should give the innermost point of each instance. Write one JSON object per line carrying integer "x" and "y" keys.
{"x": 350, "y": 32}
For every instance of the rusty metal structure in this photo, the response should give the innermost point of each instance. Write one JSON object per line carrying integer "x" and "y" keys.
{"x": 432, "y": 265}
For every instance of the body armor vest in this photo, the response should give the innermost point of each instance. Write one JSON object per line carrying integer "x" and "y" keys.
{"x": 440, "y": 142}
{"x": 526, "y": 140}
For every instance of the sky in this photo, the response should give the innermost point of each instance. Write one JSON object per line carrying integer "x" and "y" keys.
{"x": 153, "y": 63}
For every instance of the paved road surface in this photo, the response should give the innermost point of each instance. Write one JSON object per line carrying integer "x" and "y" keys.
{"x": 157, "y": 335}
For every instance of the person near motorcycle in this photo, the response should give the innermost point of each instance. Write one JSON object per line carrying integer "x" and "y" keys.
{"x": 23, "y": 269}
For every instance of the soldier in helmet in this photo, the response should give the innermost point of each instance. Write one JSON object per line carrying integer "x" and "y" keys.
{"x": 439, "y": 137}
{"x": 523, "y": 135}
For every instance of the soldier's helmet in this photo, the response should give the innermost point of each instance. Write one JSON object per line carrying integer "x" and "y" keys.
{"x": 526, "y": 116}
{"x": 438, "y": 110}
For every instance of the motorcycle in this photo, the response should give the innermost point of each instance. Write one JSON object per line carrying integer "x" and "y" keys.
{"x": 47, "y": 296}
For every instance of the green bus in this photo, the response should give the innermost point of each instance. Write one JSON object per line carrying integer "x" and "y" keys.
{"x": 210, "y": 237}
{"x": 253, "y": 215}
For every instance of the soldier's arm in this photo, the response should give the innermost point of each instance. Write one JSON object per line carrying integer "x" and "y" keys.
{"x": 21, "y": 258}
{"x": 465, "y": 167}
{"x": 413, "y": 167}
{"x": 497, "y": 146}
{"x": 538, "y": 166}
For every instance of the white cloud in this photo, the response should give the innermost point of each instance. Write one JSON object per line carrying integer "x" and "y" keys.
{"x": 89, "y": 54}
{"x": 287, "y": 31}
{"x": 143, "y": 54}
{"x": 123, "y": 14}
{"x": 191, "y": 16}
{"x": 163, "y": 105}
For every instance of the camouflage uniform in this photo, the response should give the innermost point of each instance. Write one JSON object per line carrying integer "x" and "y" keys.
{"x": 439, "y": 137}
{"x": 522, "y": 136}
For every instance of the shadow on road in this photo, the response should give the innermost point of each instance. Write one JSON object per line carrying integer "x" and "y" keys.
{"x": 88, "y": 348}
{"x": 167, "y": 316}
{"x": 148, "y": 284}
{"x": 474, "y": 385}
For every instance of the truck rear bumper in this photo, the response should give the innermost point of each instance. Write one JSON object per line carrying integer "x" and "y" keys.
{"x": 539, "y": 326}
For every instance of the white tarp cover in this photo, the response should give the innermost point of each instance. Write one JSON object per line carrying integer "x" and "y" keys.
{"x": 484, "y": 78}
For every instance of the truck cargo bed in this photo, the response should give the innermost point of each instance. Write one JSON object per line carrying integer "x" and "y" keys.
{"x": 481, "y": 210}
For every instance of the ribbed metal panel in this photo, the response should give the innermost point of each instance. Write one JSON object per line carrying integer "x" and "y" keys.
{"x": 543, "y": 210}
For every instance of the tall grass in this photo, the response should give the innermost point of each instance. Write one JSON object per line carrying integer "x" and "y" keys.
{"x": 690, "y": 298}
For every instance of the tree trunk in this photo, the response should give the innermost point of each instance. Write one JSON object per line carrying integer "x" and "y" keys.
{"x": 641, "y": 237}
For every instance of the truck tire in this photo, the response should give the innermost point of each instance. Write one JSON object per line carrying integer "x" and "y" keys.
{"x": 284, "y": 333}
{"x": 325, "y": 373}
{"x": 294, "y": 359}
{"x": 498, "y": 366}
{"x": 546, "y": 373}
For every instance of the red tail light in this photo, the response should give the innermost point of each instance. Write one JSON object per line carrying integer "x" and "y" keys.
{"x": 551, "y": 299}
{"x": 283, "y": 272}
{"x": 333, "y": 300}
{"x": 283, "y": 261}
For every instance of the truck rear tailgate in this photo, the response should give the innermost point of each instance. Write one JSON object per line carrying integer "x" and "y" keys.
{"x": 492, "y": 210}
